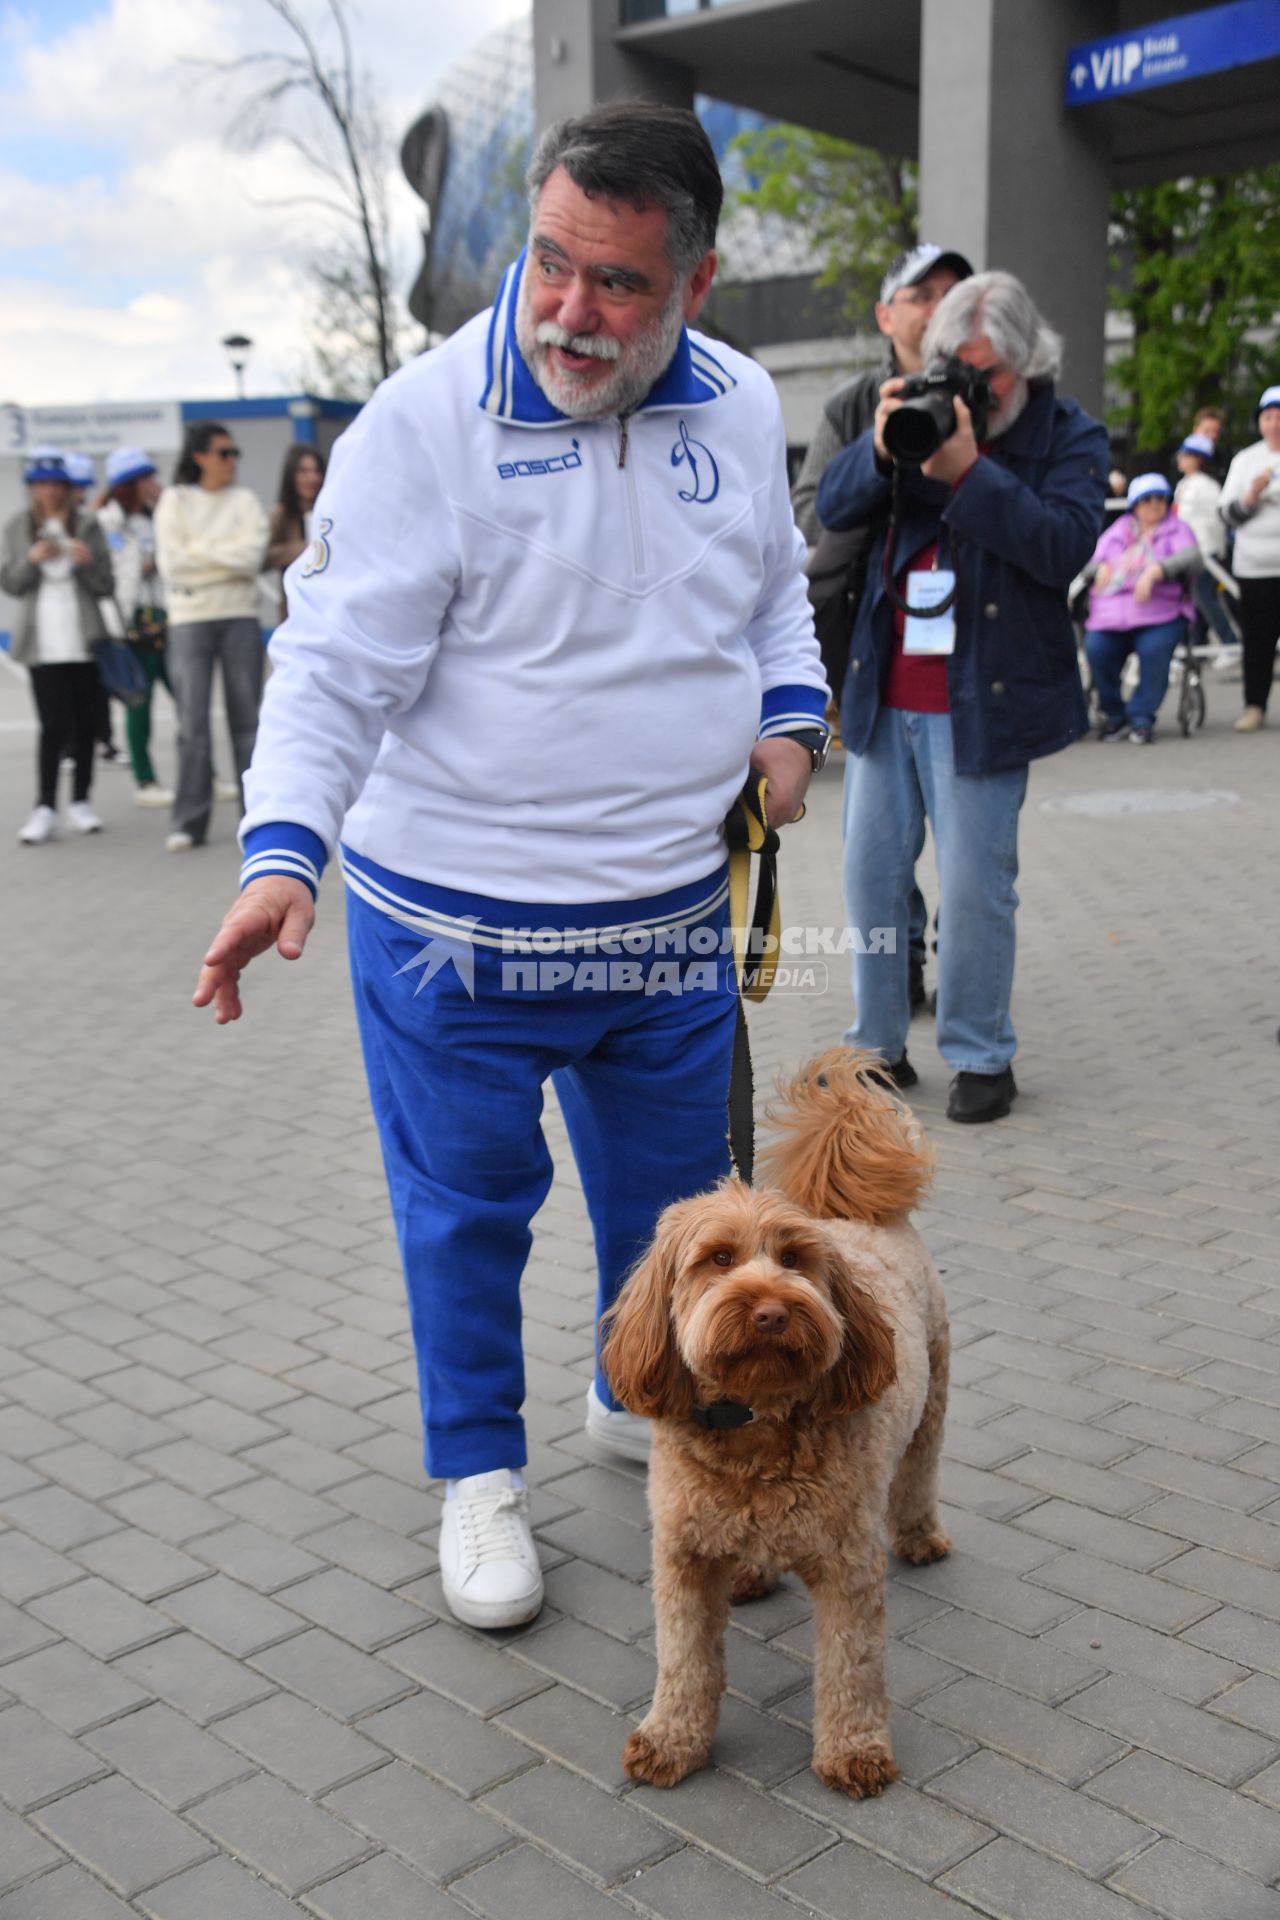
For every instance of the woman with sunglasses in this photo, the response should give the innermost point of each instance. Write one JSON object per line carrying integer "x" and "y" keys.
{"x": 211, "y": 536}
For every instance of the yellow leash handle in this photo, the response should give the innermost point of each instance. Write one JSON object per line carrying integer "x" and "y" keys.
{"x": 748, "y": 832}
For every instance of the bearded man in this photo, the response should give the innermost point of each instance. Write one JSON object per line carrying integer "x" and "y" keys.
{"x": 554, "y": 609}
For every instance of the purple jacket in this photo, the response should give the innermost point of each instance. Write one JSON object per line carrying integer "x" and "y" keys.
{"x": 1127, "y": 550}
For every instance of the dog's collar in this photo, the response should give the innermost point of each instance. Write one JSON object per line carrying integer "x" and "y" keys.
{"x": 724, "y": 1413}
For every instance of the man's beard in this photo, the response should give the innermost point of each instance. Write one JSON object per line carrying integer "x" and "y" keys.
{"x": 637, "y": 365}
{"x": 1013, "y": 408}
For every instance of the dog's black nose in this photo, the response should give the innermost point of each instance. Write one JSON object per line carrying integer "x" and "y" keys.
{"x": 770, "y": 1316}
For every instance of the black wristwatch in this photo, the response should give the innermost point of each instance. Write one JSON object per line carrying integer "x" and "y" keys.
{"x": 817, "y": 743}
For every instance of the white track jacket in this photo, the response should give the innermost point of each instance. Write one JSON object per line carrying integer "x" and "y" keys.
{"x": 526, "y": 656}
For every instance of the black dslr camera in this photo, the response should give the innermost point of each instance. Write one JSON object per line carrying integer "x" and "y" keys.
{"x": 927, "y": 416}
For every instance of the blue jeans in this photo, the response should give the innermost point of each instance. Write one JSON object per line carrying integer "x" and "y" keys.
{"x": 1107, "y": 654}
{"x": 456, "y": 1070}
{"x": 907, "y": 775}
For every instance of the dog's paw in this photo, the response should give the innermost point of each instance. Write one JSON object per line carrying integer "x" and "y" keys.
{"x": 752, "y": 1583}
{"x": 660, "y": 1763}
{"x": 862, "y": 1771}
{"x": 921, "y": 1548}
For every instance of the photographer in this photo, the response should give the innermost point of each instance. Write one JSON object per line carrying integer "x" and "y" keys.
{"x": 941, "y": 715}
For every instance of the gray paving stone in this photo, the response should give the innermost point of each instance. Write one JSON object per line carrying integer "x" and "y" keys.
{"x": 372, "y": 1552}
{"x": 690, "y": 1882}
{"x": 589, "y": 1829}
{"x": 353, "y": 1609}
{"x": 601, "y": 1599}
{"x": 1124, "y": 1646}
{"x": 22, "y": 1852}
{"x": 332, "y": 1675}
{"x": 70, "y": 1688}
{"x": 432, "y": 1733}
{"x": 21, "y": 1633}
{"x": 144, "y": 1567}
{"x": 1050, "y": 1818}
{"x": 89, "y": 1470}
{"x": 248, "y": 1554}
{"x": 1209, "y": 1526}
{"x": 121, "y": 1834}
{"x": 169, "y": 1512}
{"x": 1194, "y": 1810}
{"x": 301, "y": 1744}
{"x": 1265, "y": 1786}
{"x": 907, "y": 1827}
{"x": 312, "y": 1469}
{"x": 1224, "y": 1577}
{"x": 1183, "y": 1885}
{"x": 193, "y": 1677}
{"x": 279, "y": 1509}
{"x": 1192, "y": 1738}
{"x": 564, "y": 1725}
{"x": 1010, "y": 1882}
{"x": 284, "y": 1837}
{"x": 100, "y": 1617}
{"x": 1026, "y": 1730}
{"x": 1254, "y": 1703}
{"x": 759, "y": 1746}
{"x": 998, "y": 1596}
{"x": 232, "y": 1616}
{"x": 997, "y": 1653}
{"x": 617, "y": 1675}
{"x": 163, "y": 1752}
{"x": 430, "y": 1828}
{"x": 65, "y": 1894}
{"x": 59, "y": 1519}
{"x": 37, "y": 1762}
{"x": 923, "y": 1749}
{"x": 760, "y": 1673}
{"x": 1124, "y": 1542}
{"x": 1150, "y": 1600}
{"x": 849, "y": 1883}
{"x": 526, "y": 1881}
{"x": 217, "y": 1890}
{"x": 381, "y": 1889}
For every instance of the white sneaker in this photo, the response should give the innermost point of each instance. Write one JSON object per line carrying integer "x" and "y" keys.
{"x": 82, "y": 817}
{"x": 629, "y": 1434}
{"x": 226, "y": 789}
{"x": 42, "y": 826}
{"x": 179, "y": 843}
{"x": 153, "y": 795}
{"x": 488, "y": 1562}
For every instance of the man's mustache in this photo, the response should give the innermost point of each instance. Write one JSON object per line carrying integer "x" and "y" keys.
{"x": 598, "y": 345}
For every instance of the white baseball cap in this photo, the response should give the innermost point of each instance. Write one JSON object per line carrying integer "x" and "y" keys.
{"x": 1144, "y": 486}
{"x": 911, "y": 267}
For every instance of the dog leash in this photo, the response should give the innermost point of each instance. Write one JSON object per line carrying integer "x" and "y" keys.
{"x": 755, "y": 948}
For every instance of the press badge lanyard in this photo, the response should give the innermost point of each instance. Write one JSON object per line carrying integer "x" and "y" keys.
{"x": 930, "y": 625}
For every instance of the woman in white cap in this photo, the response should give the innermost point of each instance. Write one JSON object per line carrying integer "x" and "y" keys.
{"x": 1196, "y": 499}
{"x": 211, "y": 536}
{"x": 55, "y": 563}
{"x": 1139, "y": 603}
{"x": 124, "y": 514}
{"x": 1251, "y": 504}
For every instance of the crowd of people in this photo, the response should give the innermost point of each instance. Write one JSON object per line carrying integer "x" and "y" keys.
{"x": 178, "y": 575}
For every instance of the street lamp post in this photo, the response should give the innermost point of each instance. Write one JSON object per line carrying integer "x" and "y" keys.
{"x": 238, "y": 347}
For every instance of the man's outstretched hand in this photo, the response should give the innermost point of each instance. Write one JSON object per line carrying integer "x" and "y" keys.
{"x": 271, "y": 912}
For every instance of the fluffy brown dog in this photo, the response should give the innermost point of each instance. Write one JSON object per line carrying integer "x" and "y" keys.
{"x": 791, "y": 1347}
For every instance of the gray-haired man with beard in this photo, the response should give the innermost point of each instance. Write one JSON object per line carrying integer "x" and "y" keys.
{"x": 553, "y": 611}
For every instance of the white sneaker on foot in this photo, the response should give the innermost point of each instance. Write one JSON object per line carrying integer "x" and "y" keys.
{"x": 488, "y": 1562}
{"x": 82, "y": 817}
{"x": 179, "y": 843}
{"x": 226, "y": 789}
{"x": 153, "y": 795}
{"x": 629, "y": 1434}
{"x": 1251, "y": 719}
{"x": 42, "y": 826}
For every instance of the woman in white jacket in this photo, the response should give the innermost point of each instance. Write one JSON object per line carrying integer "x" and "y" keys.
{"x": 125, "y": 514}
{"x": 1251, "y": 504}
{"x": 211, "y": 536}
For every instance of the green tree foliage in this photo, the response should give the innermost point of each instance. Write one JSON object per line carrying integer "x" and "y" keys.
{"x": 1196, "y": 267}
{"x": 856, "y": 207}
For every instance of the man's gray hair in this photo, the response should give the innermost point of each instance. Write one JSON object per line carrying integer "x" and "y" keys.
{"x": 998, "y": 305}
{"x": 643, "y": 155}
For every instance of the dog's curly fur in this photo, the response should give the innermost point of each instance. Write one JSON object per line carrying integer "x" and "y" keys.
{"x": 818, "y": 1306}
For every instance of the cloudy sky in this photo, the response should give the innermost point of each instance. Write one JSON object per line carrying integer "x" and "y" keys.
{"x": 132, "y": 235}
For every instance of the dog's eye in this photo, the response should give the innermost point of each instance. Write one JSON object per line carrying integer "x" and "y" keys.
{"x": 789, "y": 1259}
{"x": 723, "y": 1257}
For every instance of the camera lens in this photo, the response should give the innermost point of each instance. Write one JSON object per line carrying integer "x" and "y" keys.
{"x": 917, "y": 428}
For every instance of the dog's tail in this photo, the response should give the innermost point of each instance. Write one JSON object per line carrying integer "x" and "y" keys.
{"x": 845, "y": 1146}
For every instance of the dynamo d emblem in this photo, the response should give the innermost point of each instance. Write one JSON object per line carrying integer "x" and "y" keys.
{"x": 704, "y": 474}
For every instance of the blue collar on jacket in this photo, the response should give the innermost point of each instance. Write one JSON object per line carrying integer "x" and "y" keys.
{"x": 511, "y": 393}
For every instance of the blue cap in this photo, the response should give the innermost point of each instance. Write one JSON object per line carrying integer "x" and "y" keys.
{"x": 1270, "y": 398}
{"x": 47, "y": 463}
{"x": 1199, "y": 443}
{"x": 1145, "y": 486}
{"x": 81, "y": 470}
{"x": 127, "y": 463}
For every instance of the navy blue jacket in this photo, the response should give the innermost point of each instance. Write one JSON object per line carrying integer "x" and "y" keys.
{"x": 1020, "y": 526}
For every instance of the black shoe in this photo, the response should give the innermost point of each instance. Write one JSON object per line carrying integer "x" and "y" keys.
{"x": 902, "y": 1073}
{"x": 981, "y": 1096}
{"x": 1140, "y": 736}
{"x": 1113, "y": 730}
{"x": 916, "y": 996}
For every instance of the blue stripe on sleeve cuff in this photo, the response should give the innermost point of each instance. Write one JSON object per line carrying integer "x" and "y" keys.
{"x": 796, "y": 709}
{"x": 286, "y": 848}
